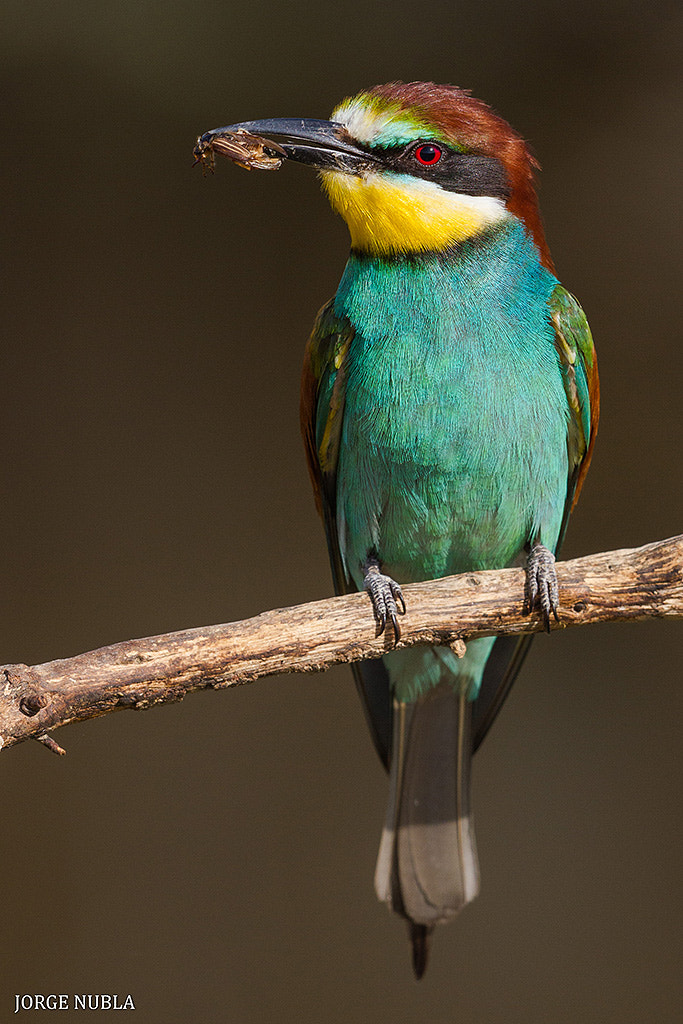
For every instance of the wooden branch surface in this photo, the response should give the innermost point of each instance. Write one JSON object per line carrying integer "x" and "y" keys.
{"x": 634, "y": 583}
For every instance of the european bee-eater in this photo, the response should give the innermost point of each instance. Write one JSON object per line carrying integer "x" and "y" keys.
{"x": 449, "y": 409}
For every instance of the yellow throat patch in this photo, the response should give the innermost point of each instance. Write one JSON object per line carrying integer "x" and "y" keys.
{"x": 389, "y": 213}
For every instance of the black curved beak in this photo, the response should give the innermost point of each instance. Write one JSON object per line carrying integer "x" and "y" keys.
{"x": 322, "y": 144}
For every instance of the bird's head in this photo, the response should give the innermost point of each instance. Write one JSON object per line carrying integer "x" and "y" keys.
{"x": 416, "y": 167}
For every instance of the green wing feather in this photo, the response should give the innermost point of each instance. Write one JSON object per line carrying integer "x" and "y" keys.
{"x": 323, "y": 393}
{"x": 579, "y": 368}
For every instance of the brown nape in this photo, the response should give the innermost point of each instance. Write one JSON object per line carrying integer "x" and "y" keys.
{"x": 471, "y": 123}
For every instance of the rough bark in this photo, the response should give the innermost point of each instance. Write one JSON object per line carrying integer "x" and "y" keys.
{"x": 635, "y": 583}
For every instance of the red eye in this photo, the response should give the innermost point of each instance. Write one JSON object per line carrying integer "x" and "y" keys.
{"x": 428, "y": 154}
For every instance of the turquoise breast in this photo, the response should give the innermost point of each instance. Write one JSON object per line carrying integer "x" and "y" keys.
{"x": 453, "y": 453}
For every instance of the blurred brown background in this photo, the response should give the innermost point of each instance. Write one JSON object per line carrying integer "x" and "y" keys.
{"x": 215, "y": 858}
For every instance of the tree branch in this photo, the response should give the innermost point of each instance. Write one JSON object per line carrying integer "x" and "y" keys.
{"x": 635, "y": 583}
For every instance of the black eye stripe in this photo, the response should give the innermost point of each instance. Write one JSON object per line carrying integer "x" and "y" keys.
{"x": 469, "y": 173}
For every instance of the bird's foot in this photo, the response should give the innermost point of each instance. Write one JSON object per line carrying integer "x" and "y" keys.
{"x": 386, "y": 596}
{"x": 541, "y": 583}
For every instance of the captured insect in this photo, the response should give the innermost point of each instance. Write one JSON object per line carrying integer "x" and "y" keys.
{"x": 246, "y": 150}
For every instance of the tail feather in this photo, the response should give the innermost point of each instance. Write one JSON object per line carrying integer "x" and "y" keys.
{"x": 419, "y": 940}
{"x": 427, "y": 867}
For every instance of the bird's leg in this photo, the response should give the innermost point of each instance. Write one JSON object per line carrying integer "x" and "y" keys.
{"x": 385, "y": 594}
{"x": 541, "y": 583}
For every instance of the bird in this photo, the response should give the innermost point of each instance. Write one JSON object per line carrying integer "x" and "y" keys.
{"x": 449, "y": 408}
